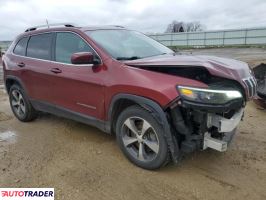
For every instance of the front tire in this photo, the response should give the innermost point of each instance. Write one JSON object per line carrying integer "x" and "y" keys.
{"x": 141, "y": 138}
{"x": 20, "y": 105}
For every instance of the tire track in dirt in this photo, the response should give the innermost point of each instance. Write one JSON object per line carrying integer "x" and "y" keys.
{"x": 4, "y": 116}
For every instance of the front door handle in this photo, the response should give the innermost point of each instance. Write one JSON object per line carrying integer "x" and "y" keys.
{"x": 56, "y": 70}
{"x": 21, "y": 64}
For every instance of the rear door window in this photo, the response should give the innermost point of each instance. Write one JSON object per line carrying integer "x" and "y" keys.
{"x": 20, "y": 48}
{"x": 67, "y": 44}
{"x": 40, "y": 46}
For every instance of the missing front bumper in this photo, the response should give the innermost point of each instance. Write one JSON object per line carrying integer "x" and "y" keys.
{"x": 197, "y": 129}
{"x": 218, "y": 144}
{"x": 225, "y": 126}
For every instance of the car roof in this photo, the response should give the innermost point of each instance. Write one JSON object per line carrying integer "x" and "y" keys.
{"x": 106, "y": 27}
{"x": 69, "y": 26}
{"x": 66, "y": 27}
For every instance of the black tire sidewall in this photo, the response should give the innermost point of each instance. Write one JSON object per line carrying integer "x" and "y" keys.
{"x": 28, "y": 108}
{"x": 162, "y": 155}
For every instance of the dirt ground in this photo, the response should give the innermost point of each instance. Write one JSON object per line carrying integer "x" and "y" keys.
{"x": 81, "y": 162}
{"x": 1, "y": 72}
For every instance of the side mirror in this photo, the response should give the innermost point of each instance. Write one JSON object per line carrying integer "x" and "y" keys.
{"x": 82, "y": 58}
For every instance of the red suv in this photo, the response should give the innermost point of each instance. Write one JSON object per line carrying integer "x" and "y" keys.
{"x": 158, "y": 103}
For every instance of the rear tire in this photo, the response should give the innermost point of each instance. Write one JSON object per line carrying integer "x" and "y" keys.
{"x": 141, "y": 138}
{"x": 20, "y": 104}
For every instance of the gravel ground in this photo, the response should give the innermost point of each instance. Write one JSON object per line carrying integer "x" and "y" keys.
{"x": 81, "y": 162}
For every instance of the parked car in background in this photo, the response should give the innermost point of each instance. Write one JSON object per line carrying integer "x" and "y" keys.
{"x": 158, "y": 103}
{"x": 260, "y": 75}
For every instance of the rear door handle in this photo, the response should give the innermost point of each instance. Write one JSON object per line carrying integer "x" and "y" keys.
{"x": 21, "y": 64}
{"x": 56, "y": 70}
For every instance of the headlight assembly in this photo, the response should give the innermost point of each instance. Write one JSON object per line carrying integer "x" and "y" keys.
{"x": 208, "y": 95}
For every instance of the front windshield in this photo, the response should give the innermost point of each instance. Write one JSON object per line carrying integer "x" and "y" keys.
{"x": 127, "y": 45}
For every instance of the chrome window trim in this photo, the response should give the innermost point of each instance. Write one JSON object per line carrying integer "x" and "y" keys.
{"x": 53, "y": 61}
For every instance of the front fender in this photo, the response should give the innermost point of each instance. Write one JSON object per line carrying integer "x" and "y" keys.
{"x": 158, "y": 114}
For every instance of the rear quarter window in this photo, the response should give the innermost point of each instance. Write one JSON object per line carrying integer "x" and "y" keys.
{"x": 40, "y": 46}
{"x": 20, "y": 48}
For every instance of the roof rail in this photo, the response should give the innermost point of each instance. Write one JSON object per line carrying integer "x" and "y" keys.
{"x": 48, "y": 26}
{"x": 119, "y": 26}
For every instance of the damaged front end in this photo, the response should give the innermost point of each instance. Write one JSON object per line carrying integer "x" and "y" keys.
{"x": 201, "y": 129}
{"x": 207, "y": 118}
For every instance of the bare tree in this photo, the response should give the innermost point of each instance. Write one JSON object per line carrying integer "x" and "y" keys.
{"x": 194, "y": 26}
{"x": 177, "y": 26}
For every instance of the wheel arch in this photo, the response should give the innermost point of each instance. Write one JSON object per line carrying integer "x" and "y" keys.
{"x": 11, "y": 80}
{"x": 121, "y": 101}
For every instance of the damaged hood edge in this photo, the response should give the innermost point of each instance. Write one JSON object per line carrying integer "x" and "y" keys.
{"x": 222, "y": 67}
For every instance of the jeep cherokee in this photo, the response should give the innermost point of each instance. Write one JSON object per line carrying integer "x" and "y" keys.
{"x": 158, "y": 103}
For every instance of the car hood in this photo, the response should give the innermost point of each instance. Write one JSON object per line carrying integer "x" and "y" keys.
{"x": 222, "y": 67}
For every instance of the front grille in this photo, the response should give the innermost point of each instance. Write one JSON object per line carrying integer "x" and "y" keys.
{"x": 251, "y": 86}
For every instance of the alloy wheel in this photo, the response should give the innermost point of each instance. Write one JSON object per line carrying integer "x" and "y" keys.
{"x": 18, "y": 103}
{"x": 140, "y": 139}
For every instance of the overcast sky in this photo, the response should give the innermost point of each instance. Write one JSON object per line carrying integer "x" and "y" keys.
{"x": 142, "y": 15}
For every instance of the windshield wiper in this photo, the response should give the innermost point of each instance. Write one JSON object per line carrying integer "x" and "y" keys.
{"x": 128, "y": 58}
